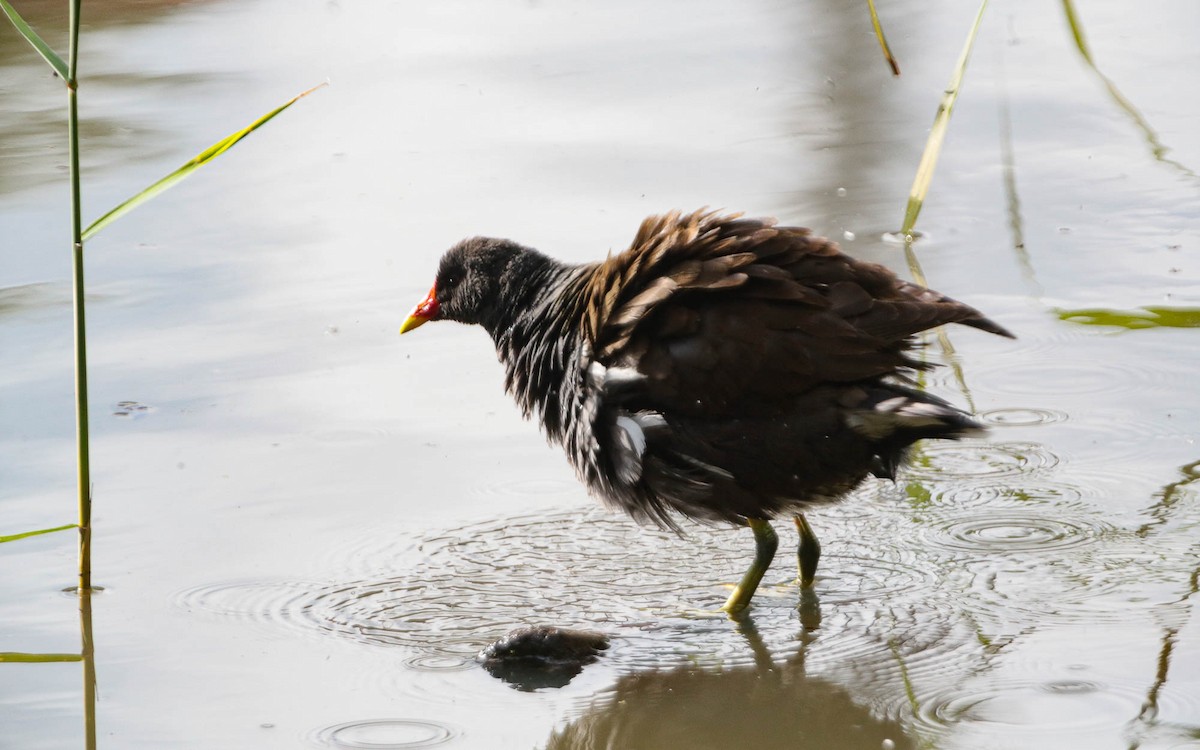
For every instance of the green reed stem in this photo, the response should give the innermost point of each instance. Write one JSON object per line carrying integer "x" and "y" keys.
{"x": 68, "y": 71}
{"x": 88, "y": 654}
{"x": 81, "y": 392}
{"x": 81, "y": 389}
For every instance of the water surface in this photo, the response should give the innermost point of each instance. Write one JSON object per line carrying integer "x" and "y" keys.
{"x": 306, "y": 526}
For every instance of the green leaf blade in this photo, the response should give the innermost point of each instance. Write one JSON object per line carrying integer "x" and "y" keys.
{"x": 15, "y": 537}
{"x": 1077, "y": 31}
{"x": 17, "y": 657}
{"x": 31, "y": 36}
{"x": 883, "y": 45}
{"x": 1136, "y": 319}
{"x": 937, "y": 134}
{"x": 192, "y": 165}
{"x": 1157, "y": 148}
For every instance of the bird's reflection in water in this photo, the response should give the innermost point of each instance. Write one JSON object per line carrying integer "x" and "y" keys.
{"x": 766, "y": 705}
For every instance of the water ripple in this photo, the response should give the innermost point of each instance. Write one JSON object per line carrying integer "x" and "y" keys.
{"x": 1022, "y": 374}
{"x": 1016, "y": 416}
{"x": 1013, "y": 531}
{"x": 1025, "y": 707}
{"x": 988, "y": 496}
{"x": 273, "y": 602}
{"x": 1007, "y": 710}
{"x": 385, "y": 734}
{"x": 980, "y": 459}
{"x": 1114, "y": 583}
{"x": 527, "y": 487}
{"x": 873, "y": 572}
{"x": 589, "y": 568}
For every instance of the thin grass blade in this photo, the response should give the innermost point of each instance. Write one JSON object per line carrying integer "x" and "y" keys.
{"x": 1167, "y": 501}
{"x": 15, "y": 537}
{"x": 887, "y": 51}
{"x": 937, "y": 135}
{"x": 1077, "y": 32}
{"x": 31, "y": 36}
{"x": 1157, "y": 148}
{"x": 204, "y": 157}
{"x": 21, "y": 658}
{"x": 1016, "y": 223}
{"x": 949, "y": 353}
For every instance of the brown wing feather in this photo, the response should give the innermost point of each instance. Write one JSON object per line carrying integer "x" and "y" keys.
{"x": 726, "y": 315}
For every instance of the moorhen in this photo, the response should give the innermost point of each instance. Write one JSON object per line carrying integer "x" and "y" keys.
{"x": 722, "y": 368}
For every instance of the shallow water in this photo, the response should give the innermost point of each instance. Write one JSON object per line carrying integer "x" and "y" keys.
{"x": 305, "y": 526}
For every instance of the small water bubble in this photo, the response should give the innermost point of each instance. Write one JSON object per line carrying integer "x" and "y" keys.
{"x": 899, "y": 238}
{"x": 1022, "y": 417}
{"x": 1070, "y": 687}
{"x": 841, "y": 192}
{"x": 848, "y": 235}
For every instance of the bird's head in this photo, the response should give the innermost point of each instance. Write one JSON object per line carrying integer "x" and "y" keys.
{"x": 469, "y": 285}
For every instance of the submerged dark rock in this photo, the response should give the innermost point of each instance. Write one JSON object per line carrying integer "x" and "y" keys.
{"x": 541, "y": 656}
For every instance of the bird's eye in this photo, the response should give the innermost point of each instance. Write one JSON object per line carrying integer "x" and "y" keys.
{"x": 451, "y": 281}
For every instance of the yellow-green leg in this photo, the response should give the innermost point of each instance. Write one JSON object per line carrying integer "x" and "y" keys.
{"x": 765, "y": 544}
{"x": 808, "y": 553}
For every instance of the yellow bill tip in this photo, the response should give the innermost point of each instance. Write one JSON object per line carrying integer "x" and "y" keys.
{"x": 424, "y": 312}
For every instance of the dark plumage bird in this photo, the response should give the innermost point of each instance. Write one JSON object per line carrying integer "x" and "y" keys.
{"x": 722, "y": 369}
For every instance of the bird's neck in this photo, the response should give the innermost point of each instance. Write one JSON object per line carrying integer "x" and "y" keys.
{"x": 539, "y": 337}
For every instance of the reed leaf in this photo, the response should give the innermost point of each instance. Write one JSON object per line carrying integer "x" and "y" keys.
{"x": 937, "y": 135}
{"x": 1134, "y": 320}
{"x": 15, "y": 537}
{"x": 21, "y": 658}
{"x": 1157, "y": 148}
{"x": 1016, "y": 224}
{"x": 887, "y": 51}
{"x": 949, "y": 352}
{"x": 31, "y": 36}
{"x": 204, "y": 157}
